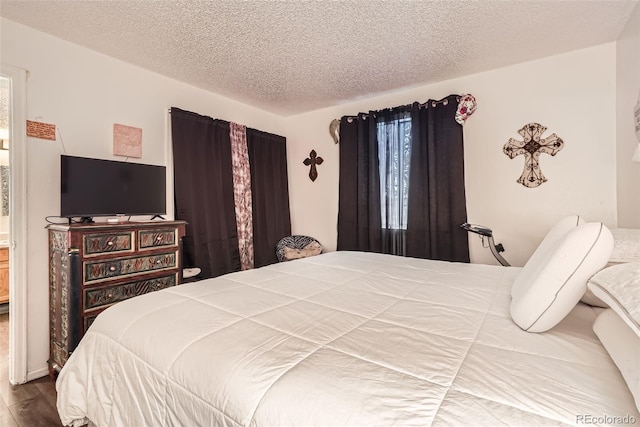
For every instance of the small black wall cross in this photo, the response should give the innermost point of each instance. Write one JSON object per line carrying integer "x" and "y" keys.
{"x": 312, "y": 161}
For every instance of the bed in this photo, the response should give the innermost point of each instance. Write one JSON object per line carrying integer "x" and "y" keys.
{"x": 342, "y": 338}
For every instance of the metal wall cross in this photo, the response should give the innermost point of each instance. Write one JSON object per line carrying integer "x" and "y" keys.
{"x": 531, "y": 147}
{"x": 312, "y": 161}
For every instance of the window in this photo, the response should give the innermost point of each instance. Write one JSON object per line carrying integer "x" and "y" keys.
{"x": 394, "y": 156}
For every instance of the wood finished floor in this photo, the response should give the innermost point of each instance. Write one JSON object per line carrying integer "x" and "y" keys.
{"x": 28, "y": 405}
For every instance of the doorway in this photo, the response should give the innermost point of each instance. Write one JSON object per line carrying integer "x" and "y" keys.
{"x": 4, "y": 198}
{"x": 14, "y": 199}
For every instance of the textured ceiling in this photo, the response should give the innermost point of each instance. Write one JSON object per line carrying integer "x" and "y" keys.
{"x": 289, "y": 57}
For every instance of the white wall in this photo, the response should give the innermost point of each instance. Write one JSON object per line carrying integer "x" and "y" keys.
{"x": 84, "y": 93}
{"x": 628, "y": 94}
{"x": 572, "y": 94}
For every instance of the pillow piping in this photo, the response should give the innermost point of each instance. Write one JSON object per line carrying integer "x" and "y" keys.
{"x": 613, "y": 300}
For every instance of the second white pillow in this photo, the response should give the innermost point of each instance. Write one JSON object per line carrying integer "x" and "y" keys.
{"x": 549, "y": 288}
{"x": 557, "y": 232}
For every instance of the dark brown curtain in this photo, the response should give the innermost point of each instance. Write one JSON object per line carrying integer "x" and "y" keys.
{"x": 269, "y": 194}
{"x": 203, "y": 183}
{"x": 359, "y": 222}
{"x": 436, "y": 195}
{"x": 437, "y": 202}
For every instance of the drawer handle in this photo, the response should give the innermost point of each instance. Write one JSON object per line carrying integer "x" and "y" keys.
{"x": 110, "y": 243}
{"x": 112, "y": 268}
{"x": 158, "y": 238}
{"x": 110, "y": 296}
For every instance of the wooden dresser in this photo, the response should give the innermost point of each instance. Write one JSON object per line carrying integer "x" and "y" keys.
{"x": 4, "y": 274}
{"x": 93, "y": 266}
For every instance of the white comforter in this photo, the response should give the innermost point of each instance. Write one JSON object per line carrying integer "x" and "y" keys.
{"x": 343, "y": 338}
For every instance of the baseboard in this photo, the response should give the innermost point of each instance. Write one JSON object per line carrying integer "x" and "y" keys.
{"x": 38, "y": 373}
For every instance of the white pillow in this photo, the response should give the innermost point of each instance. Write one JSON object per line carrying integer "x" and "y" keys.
{"x": 553, "y": 285}
{"x": 623, "y": 346}
{"x": 626, "y": 246}
{"x": 619, "y": 287}
{"x": 557, "y": 232}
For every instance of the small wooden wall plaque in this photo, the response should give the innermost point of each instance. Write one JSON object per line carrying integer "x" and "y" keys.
{"x": 127, "y": 141}
{"x": 41, "y": 130}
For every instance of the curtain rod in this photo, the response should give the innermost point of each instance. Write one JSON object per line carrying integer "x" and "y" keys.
{"x": 433, "y": 103}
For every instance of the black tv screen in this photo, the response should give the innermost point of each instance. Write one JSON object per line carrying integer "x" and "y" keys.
{"x": 94, "y": 187}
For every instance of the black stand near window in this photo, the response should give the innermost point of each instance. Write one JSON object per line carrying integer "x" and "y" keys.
{"x": 488, "y": 233}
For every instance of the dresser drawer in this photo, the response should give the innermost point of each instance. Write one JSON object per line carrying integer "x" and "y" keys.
{"x": 4, "y": 254}
{"x": 97, "y": 297}
{"x": 151, "y": 239}
{"x": 88, "y": 321}
{"x": 96, "y": 271}
{"x": 104, "y": 243}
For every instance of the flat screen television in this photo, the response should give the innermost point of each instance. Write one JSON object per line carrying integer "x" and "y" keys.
{"x": 94, "y": 187}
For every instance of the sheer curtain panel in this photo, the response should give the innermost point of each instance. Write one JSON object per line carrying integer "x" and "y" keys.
{"x": 242, "y": 194}
{"x": 394, "y": 157}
